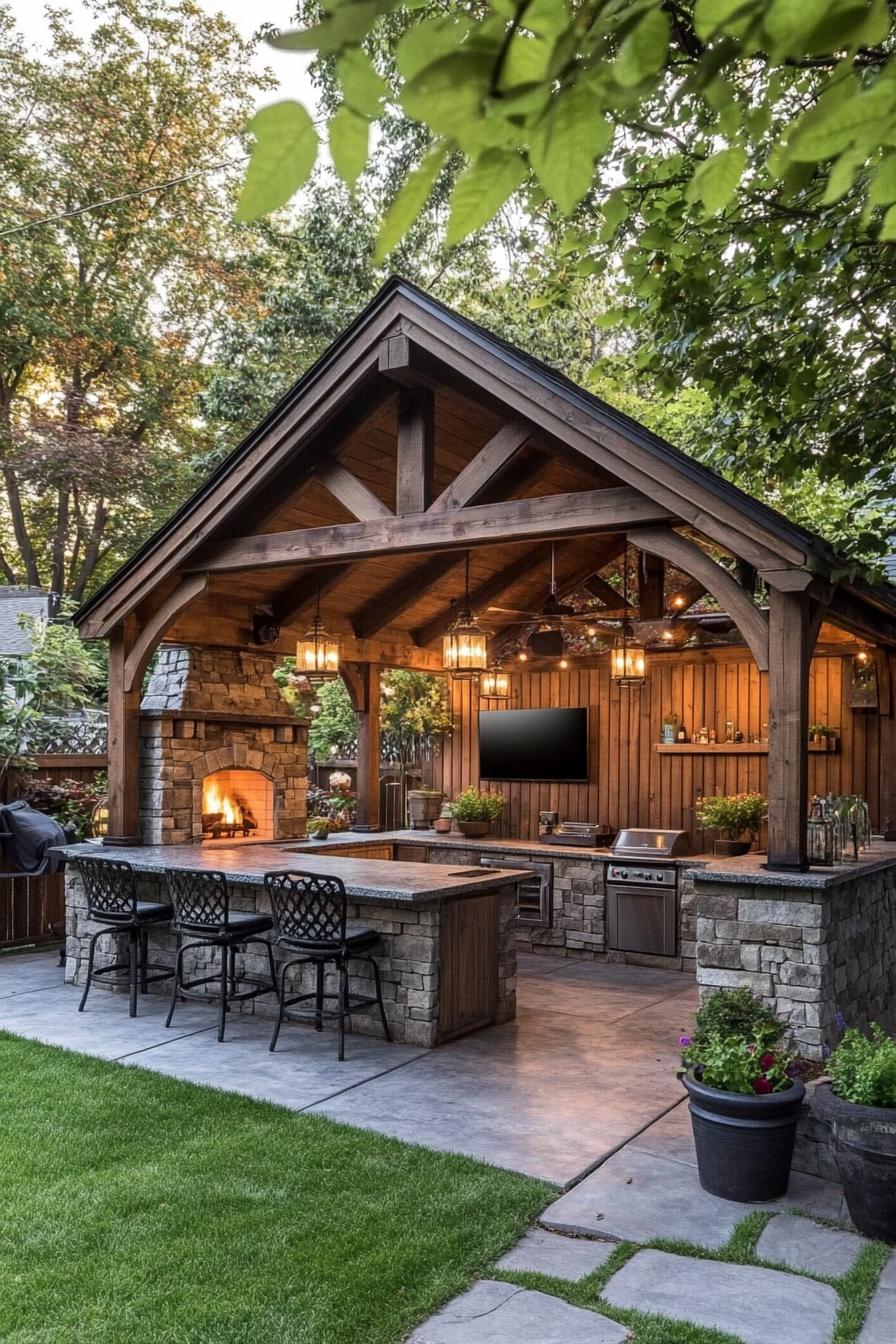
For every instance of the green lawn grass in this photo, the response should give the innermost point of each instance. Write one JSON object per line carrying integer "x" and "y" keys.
{"x": 136, "y": 1209}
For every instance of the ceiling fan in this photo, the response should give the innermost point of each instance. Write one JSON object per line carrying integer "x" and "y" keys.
{"x": 552, "y": 613}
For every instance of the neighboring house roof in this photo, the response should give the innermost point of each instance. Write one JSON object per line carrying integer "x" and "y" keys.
{"x": 16, "y": 602}
{"x": 694, "y": 485}
{"x": 890, "y": 568}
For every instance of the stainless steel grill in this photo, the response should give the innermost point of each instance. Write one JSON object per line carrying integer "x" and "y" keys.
{"x": 643, "y": 843}
{"x": 642, "y": 896}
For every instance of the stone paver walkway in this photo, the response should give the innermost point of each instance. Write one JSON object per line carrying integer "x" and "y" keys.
{"x": 588, "y": 1063}
{"x": 804, "y": 1246}
{"x": 543, "y": 1252}
{"x": 880, "y": 1323}
{"x": 500, "y": 1313}
{"x": 758, "y": 1306}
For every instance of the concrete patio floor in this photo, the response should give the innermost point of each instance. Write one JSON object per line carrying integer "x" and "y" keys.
{"x": 588, "y": 1064}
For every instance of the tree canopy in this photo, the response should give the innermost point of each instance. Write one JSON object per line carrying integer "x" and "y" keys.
{"x": 107, "y": 311}
{"x": 725, "y": 168}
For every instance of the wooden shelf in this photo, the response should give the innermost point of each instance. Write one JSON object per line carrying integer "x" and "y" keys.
{"x": 732, "y": 748}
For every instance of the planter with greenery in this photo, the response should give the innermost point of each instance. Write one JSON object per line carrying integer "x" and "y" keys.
{"x": 318, "y": 828}
{"x": 745, "y": 1098}
{"x": 859, "y": 1105}
{"x": 823, "y": 736}
{"x": 474, "y": 812}
{"x": 424, "y": 806}
{"x": 731, "y": 815}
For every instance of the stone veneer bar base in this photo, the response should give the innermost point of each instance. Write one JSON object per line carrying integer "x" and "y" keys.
{"x": 812, "y": 945}
{"x": 409, "y": 959}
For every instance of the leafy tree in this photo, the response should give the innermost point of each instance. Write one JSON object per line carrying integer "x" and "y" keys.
{"x": 64, "y": 673}
{"x": 725, "y": 168}
{"x": 107, "y": 312}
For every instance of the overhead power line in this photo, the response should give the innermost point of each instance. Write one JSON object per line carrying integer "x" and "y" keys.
{"x": 126, "y": 196}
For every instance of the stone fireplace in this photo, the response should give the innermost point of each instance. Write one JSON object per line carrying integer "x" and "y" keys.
{"x": 221, "y": 756}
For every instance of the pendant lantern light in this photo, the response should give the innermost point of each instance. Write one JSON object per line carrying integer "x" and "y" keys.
{"x": 495, "y": 684}
{"x": 628, "y": 662}
{"x": 465, "y": 646}
{"x": 317, "y": 653}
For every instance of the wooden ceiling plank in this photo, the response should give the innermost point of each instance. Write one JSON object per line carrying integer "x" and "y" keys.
{"x": 589, "y": 511}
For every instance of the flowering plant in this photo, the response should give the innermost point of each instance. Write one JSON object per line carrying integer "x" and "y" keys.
{"x": 732, "y": 814}
{"x": 735, "y": 1064}
{"x": 340, "y": 781}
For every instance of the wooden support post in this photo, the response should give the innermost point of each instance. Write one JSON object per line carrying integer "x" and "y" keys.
{"x": 124, "y": 741}
{"x": 651, "y": 584}
{"x": 416, "y": 443}
{"x": 887, "y": 800}
{"x": 363, "y": 683}
{"x": 788, "y": 753}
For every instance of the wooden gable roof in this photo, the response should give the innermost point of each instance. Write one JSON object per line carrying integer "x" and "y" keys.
{"x": 321, "y": 467}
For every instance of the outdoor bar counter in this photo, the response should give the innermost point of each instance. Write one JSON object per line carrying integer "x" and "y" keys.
{"x": 447, "y": 956}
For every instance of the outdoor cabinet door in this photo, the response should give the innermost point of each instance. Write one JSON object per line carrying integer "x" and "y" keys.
{"x": 468, "y": 964}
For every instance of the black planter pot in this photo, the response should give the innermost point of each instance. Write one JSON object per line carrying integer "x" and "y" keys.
{"x": 744, "y": 1140}
{"x": 865, "y": 1150}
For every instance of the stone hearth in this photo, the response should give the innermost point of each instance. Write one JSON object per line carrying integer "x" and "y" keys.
{"x": 208, "y": 711}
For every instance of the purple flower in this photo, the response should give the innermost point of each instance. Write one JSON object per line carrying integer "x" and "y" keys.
{"x": 684, "y": 1040}
{"x": 839, "y": 1021}
{"x": 792, "y": 1069}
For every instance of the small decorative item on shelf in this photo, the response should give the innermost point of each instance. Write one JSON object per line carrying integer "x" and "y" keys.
{"x": 424, "y": 806}
{"x": 670, "y": 728}
{"x": 682, "y": 733}
{"x": 731, "y": 815}
{"x": 712, "y": 737}
{"x": 859, "y": 1105}
{"x": 820, "y": 735}
{"x": 729, "y": 730}
{"x": 444, "y": 821}
{"x": 475, "y": 811}
{"x": 745, "y": 1097}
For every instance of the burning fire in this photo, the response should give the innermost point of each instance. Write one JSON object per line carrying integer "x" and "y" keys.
{"x": 213, "y": 800}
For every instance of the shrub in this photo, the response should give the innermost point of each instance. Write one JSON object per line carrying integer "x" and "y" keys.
{"x": 736, "y": 1012}
{"x": 69, "y": 801}
{"x": 863, "y": 1068}
{"x": 732, "y": 814}
{"x": 472, "y": 805}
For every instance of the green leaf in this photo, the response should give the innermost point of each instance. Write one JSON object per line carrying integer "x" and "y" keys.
{"x": 644, "y": 50}
{"x": 427, "y": 41}
{"x": 282, "y": 159}
{"x": 888, "y": 228}
{"x": 565, "y": 143}
{"x": 410, "y": 201}
{"x": 349, "y": 136}
{"x": 842, "y": 176}
{"x": 362, "y": 88}
{"x": 448, "y": 95}
{"x": 834, "y": 123}
{"x": 712, "y": 17}
{"x": 614, "y": 210}
{"x": 715, "y": 181}
{"x": 344, "y": 26}
{"x": 883, "y": 187}
{"x": 481, "y": 190}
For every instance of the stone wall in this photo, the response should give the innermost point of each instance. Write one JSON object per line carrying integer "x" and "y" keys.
{"x": 408, "y": 958}
{"x": 811, "y": 946}
{"x": 187, "y": 732}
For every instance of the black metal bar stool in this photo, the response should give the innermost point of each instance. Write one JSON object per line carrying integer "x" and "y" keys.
{"x": 202, "y": 912}
{"x": 311, "y": 917}
{"x": 112, "y": 901}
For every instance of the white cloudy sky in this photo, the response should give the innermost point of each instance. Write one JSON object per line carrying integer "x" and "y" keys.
{"x": 246, "y": 15}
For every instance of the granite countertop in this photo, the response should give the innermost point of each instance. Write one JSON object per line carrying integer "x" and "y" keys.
{"x": 379, "y": 881}
{"x": 488, "y": 844}
{"x": 750, "y": 870}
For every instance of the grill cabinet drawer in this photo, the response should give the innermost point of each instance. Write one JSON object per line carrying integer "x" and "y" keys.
{"x": 642, "y": 919}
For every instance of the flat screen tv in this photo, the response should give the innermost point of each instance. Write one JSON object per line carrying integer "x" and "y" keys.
{"x": 536, "y": 744}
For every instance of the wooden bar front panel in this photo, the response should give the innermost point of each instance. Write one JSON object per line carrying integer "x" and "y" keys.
{"x": 468, "y": 964}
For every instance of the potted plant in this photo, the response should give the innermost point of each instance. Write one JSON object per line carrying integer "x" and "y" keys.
{"x": 444, "y": 821}
{"x": 745, "y": 1099}
{"x": 474, "y": 811}
{"x": 821, "y": 735}
{"x": 319, "y": 828}
{"x": 859, "y": 1104}
{"x": 731, "y": 815}
{"x": 424, "y": 806}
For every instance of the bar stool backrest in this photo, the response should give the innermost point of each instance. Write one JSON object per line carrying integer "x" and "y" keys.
{"x": 308, "y": 908}
{"x": 110, "y": 887}
{"x": 201, "y": 900}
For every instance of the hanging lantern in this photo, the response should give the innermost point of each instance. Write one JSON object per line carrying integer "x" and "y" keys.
{"x": 465, "y": 646}
{"x": 495, "y": 684}
{"x": 317, "y": 653}
{"x": 628, "y": 661}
